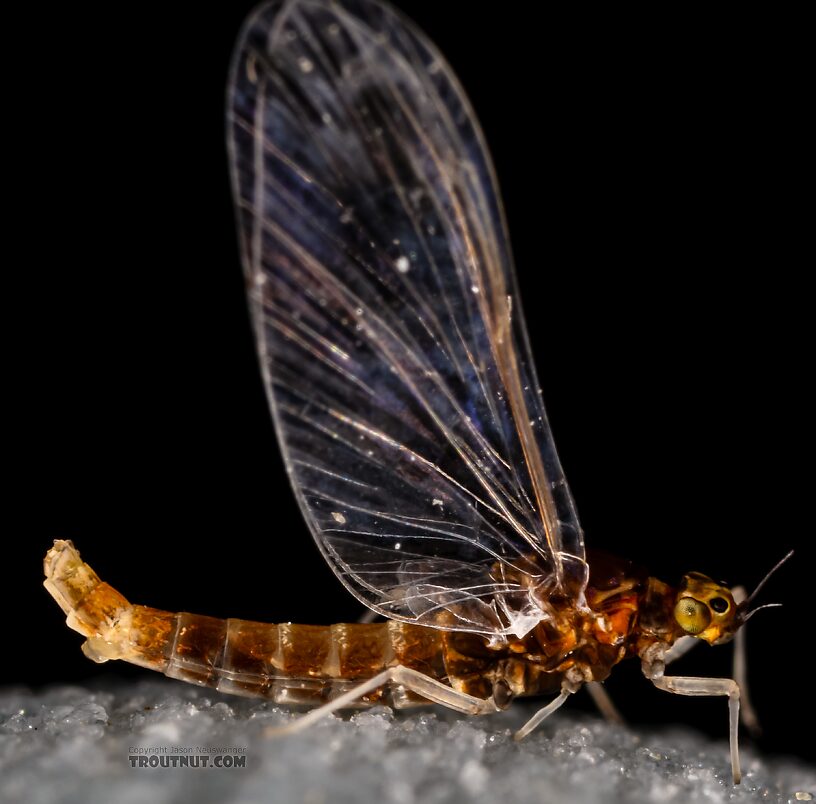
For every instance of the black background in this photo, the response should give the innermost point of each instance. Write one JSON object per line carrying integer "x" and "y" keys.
{"x": 653, "y": 171}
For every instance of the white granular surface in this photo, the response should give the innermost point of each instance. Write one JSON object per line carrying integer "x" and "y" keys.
{"x": 72, "y": 744}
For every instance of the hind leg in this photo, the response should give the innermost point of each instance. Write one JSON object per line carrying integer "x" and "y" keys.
{"x": 412, "y": 680}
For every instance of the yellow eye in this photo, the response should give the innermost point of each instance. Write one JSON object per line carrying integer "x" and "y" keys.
{"x": 692, "y": 615}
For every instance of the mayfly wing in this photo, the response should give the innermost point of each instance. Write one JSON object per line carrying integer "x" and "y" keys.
{"x": 389, "y": 326}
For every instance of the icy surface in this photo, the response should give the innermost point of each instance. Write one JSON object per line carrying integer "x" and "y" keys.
{"x": 72, "y": 744}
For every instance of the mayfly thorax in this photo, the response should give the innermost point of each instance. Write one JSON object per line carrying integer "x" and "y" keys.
{"x": 393, "y": 347}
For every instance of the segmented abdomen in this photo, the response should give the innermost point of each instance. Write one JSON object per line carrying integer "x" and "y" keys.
{"x": 292, "y": 663}
{"x": 288, "y": 663}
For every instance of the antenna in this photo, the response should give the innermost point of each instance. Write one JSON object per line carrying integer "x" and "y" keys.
{"x": 745, "y": 603}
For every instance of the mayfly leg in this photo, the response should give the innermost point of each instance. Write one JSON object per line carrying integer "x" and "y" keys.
{"x": 411, "y": 680}
{"x": 606, "y": 706}
{"x": 692, "y": 685}
{"x": 602, "y": 700}
{"x": 541, "y": 715}
{"x": 574, "y": 679}
{"x": 653, "y": 668}
{"x": 748, "y": 713}
{"x": 681, "y": 647}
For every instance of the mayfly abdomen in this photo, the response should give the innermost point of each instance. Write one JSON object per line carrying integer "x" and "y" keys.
{"x": 299, "y": 664}
{"x": 286, "y": 662}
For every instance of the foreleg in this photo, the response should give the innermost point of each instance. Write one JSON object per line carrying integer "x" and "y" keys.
{"x": 653, "y": 668}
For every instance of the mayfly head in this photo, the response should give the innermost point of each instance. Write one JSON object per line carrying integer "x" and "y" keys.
{"x": 706, "y": 609}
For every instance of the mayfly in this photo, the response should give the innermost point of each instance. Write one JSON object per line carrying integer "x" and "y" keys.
{"x": 407, "y": 408}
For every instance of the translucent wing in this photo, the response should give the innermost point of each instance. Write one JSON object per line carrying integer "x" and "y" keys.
{"x": 389, "y": 326}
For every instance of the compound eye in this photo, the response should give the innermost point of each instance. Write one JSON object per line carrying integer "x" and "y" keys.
{"x": 719, "y": 604}
{"x": 692, "y": 615}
